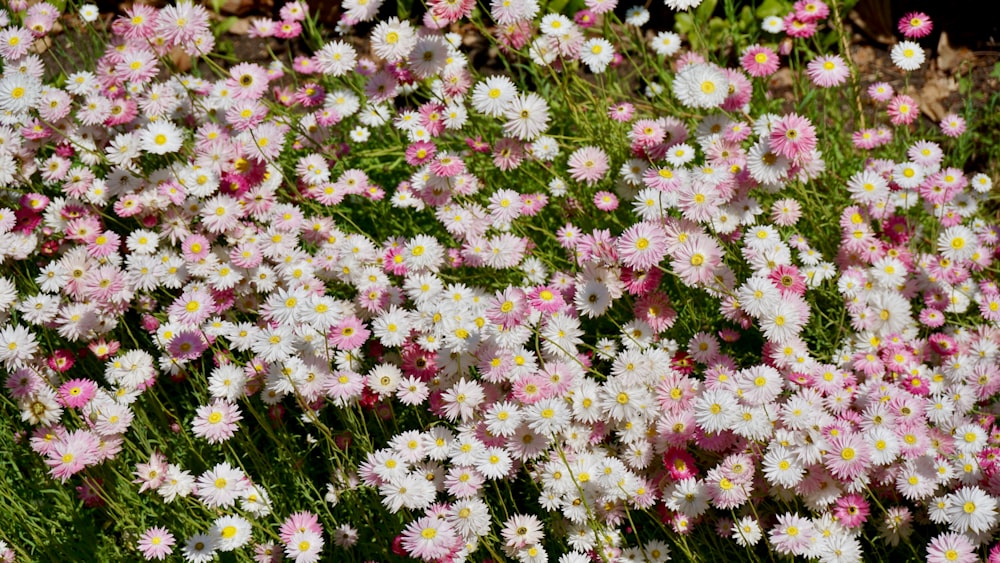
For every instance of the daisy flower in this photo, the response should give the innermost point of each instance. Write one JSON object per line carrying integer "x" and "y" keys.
{"x": 907, "y": 55}
{"x": 216, "y": 422}
{"x": 970, "y": 509}
{"x": 492, "y": 95}
{"x": 666, "y": 43}
{"x": 230, "y": 532}
{"x": 952, "y": 125}
{"x": 827, "y": 71}
{"x": 588, "y": 165}
{"x": 759, "y": 61}
{"x": 393, "y": 40}
{"x": 951, "y": 548}
{"x": 915, "y": 25}
{"x": 597, "y": 53}
{"x": 199, "y": 548}
{"x": 156, "y": 543}
{"x": 527, "y": 116}
{"x": 161, "y": 137}
{"x": 773, "y": 24}
{"x": 701, "y": 85}
{"x": 902, "y": 110}
{"x": 880, "y": 92}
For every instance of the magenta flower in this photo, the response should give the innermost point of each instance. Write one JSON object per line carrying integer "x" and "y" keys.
{"x": 915, "y": 25}
{"x": 792, "y": 136}
{"x": 76, "y": 393}
{"x": 759, "y": 61}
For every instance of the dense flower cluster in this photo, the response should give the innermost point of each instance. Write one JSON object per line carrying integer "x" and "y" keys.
{"x": 547, "y": 344}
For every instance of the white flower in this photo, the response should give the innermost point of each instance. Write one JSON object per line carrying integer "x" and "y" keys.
{"x": 773, "y": 24}
{"x": 970, "y": 509}
{"x": 597, "y": 53}
{"x": 337, "y": 58}
{"x": 231, "y": 532}
{"x": 360, "y": 134}
{"x": 89, "y": 12}
{"x": 957, "y": 243}
{"x": 907, "y": 55}
{"x": 701, "y": 85}
{"x": 393, "y": 40}
{"x": 161, "y": 137}
{"x": 637, "y": 16}
{"x": 492, "y": 95}
{"x": 666, "y": 43}
{"x": 527, "y": 116}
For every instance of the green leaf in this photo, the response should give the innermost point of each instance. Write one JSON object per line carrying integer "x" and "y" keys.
{"x": 403, "y": 8}
{"x": 225, "y": 25}
{"x": 557, "y": 6}
{"x": 705, "y": 10}
{"x": 771, "y": 8}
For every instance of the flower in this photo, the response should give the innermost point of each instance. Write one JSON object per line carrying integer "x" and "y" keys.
{"x": 827, "y": 71}
{"x": 230, "y": 532}
{"x": 216, "y": 422}
{"x": 199, "y": 548}
{"x": 588, "y": 164}
{"x": 527, "y": 116}
{"x": 89, "y": 13}
{"x": 907, "y": 55}
{"x": 970, "y": 509}
{"x": 393, "y": 40}
{"x": 156, "y": 543}
{"x": 915, "y": 25}
{"x": 161, "y": 137}
{"x": 759, "y": 61}
{"x": 597, "y": 53}
{"x": 952, "y": 125}
{"x": 701, "y": 85}
{"x": 951, "y": 548}
{"x": 666, "y": 43}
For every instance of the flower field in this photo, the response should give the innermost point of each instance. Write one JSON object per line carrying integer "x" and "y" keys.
{"x": 612, "y": 297}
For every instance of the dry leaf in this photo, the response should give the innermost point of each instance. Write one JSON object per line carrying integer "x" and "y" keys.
{"x": 949, "y": 57}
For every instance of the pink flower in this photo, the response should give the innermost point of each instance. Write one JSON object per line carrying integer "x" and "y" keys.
{"x": 811, "y": 10}
{"x": 216, "y": 422}
{"x": 430, "y": 539}
{"x": 852, "y": 510}
{"x": 546, "y": 299}
{"x": 827, "y": 71}
{"x": 621, "y": 112}
{"x": 588, "y": 165}
{"x": 788, "y": 280}
{"x": 951, "y": 547}
{"x": 952, "y": 125}
{"x": 759, "y": 61}
{"x": 847, "y": 457}
{"x": 915, "y": 25}
{"x": 349, "y": 334}
{"x": 642, "y": 246}
{"x": 695, "y": 260}
{"x": 156, "y": 543}
{"x": 880, "y": 92}
{"x": 61, "y": 360}
{"x": 76, "y": 393}
{"x": 796, "y": 27}
{"x": 793, "y": 135}
{"x": 72, "y": 454}
{"x": 902, "y": 110}
{"x": 187, "y": 345}
{"x": 606, "y": 201}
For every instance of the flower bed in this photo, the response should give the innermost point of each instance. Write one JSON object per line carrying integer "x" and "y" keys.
{"x": 611, "y": 304}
